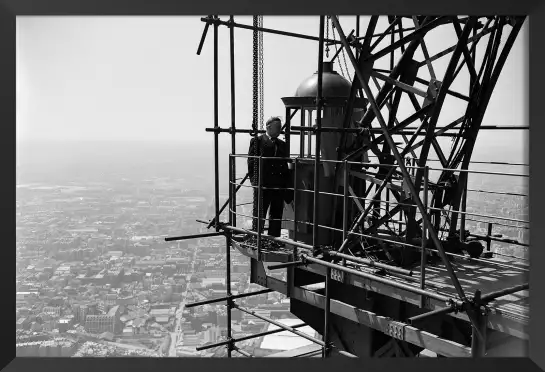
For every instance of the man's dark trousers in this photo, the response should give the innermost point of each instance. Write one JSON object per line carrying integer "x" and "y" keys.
{"x": 273, "y": 202}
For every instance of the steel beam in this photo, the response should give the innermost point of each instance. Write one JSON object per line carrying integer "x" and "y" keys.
{"x": 415, "y": 36}
{"x": 406, "y": 176}
{"x": 513, "y": 325}
{"x": 386, "y": 325}
{"x": 483, "y": 33}
{"x": 366, "y": 211}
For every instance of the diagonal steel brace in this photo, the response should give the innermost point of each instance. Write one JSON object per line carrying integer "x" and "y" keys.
{"x": 401, "y": 164}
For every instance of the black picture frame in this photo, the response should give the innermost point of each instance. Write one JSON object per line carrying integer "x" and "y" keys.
{"x": 10, "y": 9}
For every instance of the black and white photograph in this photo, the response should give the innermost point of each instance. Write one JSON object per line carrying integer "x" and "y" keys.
{"x": 223, "y": 186}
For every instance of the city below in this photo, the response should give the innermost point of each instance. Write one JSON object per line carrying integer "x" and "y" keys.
{"x": 96, "y": 278}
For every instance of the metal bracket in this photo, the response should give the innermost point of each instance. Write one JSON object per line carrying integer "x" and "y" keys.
{"x": 258, "y": 274}
{"x": 396, "y": 330}
{"x": 433, "y": 90}
{"x": 426, "y": 302}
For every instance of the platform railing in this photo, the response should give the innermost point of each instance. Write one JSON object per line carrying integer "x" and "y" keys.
{"x": 464, "y": 213}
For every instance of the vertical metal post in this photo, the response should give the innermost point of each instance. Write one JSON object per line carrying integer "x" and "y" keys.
{"x": 463, "y": 215}
{"x": 232, "y": 216}
{"x": 216, "y": 133}
{"x": 478, "y": 345}
{"x": 228, "y": 285}
{"x": 302, "y": 134}
{"x": 260, "y": 218}
{"x": 424, "y": 238}
{"x": 488, "y": 235}
{"x": 327, "y": 313}
{"x": 295, "y": 222}
{"x": 232, "y": 188}
{"x": 345, "y": 204}
{"x": 309, "y": 134}
{"x": 287, "y": 130}
{"x": 317, "y": 164}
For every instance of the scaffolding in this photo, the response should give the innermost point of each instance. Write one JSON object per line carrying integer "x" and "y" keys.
{"x": 402, "y": 187}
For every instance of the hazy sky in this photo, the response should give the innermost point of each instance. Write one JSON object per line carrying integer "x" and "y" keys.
{"x": 139, "y": 78}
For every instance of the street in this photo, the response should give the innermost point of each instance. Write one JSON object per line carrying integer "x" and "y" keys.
{"x": 176, "y": 336}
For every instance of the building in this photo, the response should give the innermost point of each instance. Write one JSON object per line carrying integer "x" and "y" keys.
{"x": 65, "y": 323}
{"x": 100, "y": 323}
{"x": 213, "y": 282}
{"x": 22, "y": 323}
{"x": 285, "y": 340}
{"x": 52, "y": 310}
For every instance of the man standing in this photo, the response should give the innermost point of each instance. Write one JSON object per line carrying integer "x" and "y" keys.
{"x": 275, "y": 175}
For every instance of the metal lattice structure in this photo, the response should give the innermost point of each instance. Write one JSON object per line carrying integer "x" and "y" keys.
{"x": 387, "y": 247}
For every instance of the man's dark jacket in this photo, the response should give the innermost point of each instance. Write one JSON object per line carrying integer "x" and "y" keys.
{"x": 275, "y": 172}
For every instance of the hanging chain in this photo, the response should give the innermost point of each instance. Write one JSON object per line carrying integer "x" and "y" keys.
{"x": 261, "y": 108}
{"x": 337, "y": 50}
{"x": 346, "y": 65}
{"x": 257, "y": 111}
{"x": 344, "y": 57}
{"x": 261, "y": 77}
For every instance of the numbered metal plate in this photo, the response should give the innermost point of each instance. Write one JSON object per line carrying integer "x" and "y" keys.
{"x": 337, "y": 275}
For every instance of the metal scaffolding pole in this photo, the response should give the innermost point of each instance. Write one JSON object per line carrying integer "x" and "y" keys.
{"x": 369, "y": 262}
{"x": 295, "y": 200}
{"x": 260, "y": 217}
{"x": 345, "y": 204}
{"x": 240, "y": 351}
{"x": 317, "y": 164}
{"x": 196, "y": 236}
{"x": 233, "y": 191}
{"x": 228, "y": 287}
{"x": 327, "y": 313}
{"x": 278, "y": 324}
{"x": 267, "y": 30}
{"x": 216, "y": 134}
